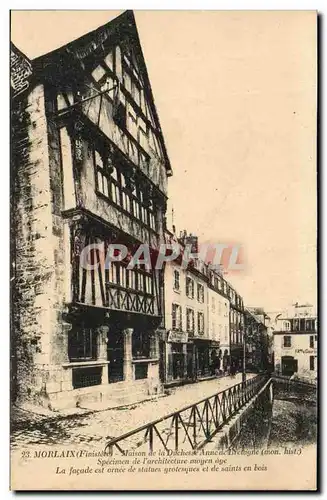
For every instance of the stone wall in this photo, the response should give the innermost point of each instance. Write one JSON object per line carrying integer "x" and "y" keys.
{"x": 38, "y": 250}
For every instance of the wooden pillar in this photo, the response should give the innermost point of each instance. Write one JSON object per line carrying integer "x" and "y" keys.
{"x": 128, "y": 366}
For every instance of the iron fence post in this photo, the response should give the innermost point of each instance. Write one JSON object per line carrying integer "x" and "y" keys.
{"x": 176, "y": 431}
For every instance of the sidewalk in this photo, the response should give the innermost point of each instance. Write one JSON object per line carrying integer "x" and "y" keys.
{"x": 98, "y": 426}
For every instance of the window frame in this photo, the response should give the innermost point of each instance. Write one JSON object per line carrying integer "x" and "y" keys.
{"x": 190, "y": 326}
{"x": 200, "y": 323}
{"x": 89, "y": 345}
{"x": 178, "y": 275}
{"x": 200, "y": 293}
{"x": 176, "y": 321}
{"x": 129, "y": 199}
{"x": 284, "y": 341}
{"x": 189, "y": 283}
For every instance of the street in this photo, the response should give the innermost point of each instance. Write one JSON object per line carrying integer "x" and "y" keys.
{"x": 95, "y": 428}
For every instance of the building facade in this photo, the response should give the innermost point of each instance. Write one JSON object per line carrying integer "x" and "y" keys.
{"x": 256, "y": 342}
{"x": 185, "y": 343}
{"x": 218, "y": 320}
{"x": 296, "y": 341}
{"x": 90, "y": 168}
{"x": 236, "y": 328}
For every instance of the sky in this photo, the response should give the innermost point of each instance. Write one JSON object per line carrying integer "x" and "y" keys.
{"x": 236, "y": 97}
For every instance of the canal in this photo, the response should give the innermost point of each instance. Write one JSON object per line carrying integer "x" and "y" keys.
{"x": 289, "y": 420}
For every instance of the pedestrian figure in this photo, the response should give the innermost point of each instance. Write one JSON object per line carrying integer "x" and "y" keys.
{"x": 217, "y": 366}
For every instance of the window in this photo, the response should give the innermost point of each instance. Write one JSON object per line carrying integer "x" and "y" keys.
{"x": 200, "y": 323}
{"x": 136, "y": 207}
{"x": 114, "y": 186}
{"x": 143, "y": 137}
{"x": 152, "y": 223}
{"x": 287, "y": 341}
{"x": 310, "y": 325}
{"x": 190, "y": 320}
{"x": 189, "y": 287}
{"x": 126, "y": 202}
{"x": 107, "y": 179}
{"x": 176, "y": 317}
{"x": 135, "y": 279}
{"x": 132, "y": 122}
{"x": 86, "y": 376}
{"x": 82, "y": 344}
{"x": 176, "y": 280}
{"x": 143, "y": 210}
{"x": 122, "y": 191}
{"x": 213, "y": 304}
{"x": 200, "y": 293}
{"x": 296, "y": 325}
{"x": 312, "y": 363}
{"x": 119, "y": 114}
{"x": 311, "y": 341}
{"x": 140, "y": 344}
{"x": 287, "y": 326}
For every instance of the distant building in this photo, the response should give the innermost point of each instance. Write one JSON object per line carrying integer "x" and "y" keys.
{"x": 196, "y": 341}
{"x": 256, "y": 341}
{"x": 236, "y": 328}
{"x": 295, "y": 341}
{"x": 218, "y": 319}
{"x": 185, "y": 317}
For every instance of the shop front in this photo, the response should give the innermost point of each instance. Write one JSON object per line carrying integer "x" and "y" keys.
{"x": 236, "y": 357}
{"x": 215, "y": 358}
{"x": 179, "y": 358}
{"x": 203, "y": 358}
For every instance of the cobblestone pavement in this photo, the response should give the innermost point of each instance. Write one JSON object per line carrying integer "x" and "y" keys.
{"x": 95, "y": 428}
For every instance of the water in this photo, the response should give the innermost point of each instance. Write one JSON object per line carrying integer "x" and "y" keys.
{"x": 291, "y": 420}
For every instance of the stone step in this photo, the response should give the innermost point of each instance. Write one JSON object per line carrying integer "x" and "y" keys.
{"x": 116, "y": 402}
{"x": 113, "y": 396}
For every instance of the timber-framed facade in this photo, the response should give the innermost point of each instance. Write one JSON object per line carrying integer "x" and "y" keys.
{"x": 98, "y": 165}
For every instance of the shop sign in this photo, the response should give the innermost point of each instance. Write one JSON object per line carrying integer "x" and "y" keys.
{"x": 177, "y": 336}
{"x": 305, "y": 351}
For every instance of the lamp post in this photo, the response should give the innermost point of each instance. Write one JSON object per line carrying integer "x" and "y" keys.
{"x": 244, "y": 359}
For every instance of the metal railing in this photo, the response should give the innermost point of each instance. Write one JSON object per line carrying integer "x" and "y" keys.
{"x": 300, "y": 381}
{"x": 192, "y": 426}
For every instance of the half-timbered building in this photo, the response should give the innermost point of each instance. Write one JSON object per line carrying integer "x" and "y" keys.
{"x": 95, "y": 174}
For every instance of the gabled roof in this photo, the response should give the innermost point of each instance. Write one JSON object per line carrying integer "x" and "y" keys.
{"x": 98, "y": 41}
